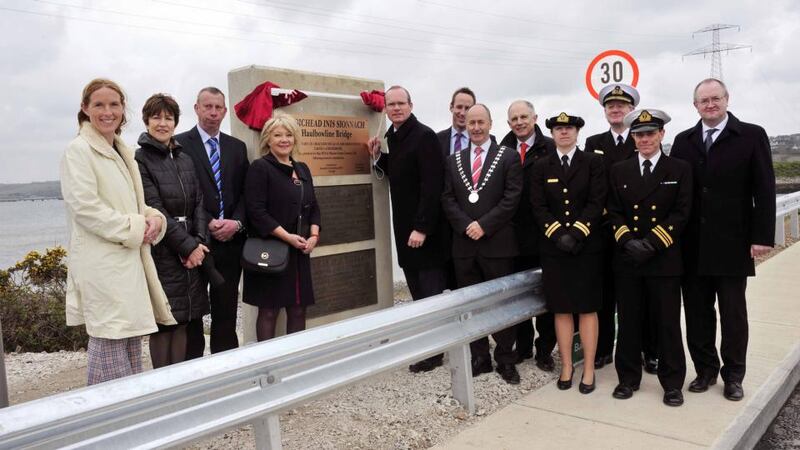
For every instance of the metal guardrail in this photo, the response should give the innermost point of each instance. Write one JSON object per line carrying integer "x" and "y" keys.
{"x": 787, "y": 205}
{"x": 179, "y": 404}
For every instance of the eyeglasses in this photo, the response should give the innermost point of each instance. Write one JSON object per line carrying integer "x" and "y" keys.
{"x": 710, "y": 100}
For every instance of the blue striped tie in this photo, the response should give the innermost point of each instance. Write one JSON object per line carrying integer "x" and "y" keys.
{"x": 217, "y": 170}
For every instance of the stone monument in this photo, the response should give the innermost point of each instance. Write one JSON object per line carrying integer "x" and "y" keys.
{"x": 352, "y": 266}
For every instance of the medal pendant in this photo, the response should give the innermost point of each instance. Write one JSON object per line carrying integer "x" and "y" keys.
{"x": 473, "y": 197}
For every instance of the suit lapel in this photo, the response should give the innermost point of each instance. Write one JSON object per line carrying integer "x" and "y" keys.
{"x": 487, "y": 161}
{"x": 655, "y": 178}
{"x": 197, "y": 146}
{"x": 574, "y": 165}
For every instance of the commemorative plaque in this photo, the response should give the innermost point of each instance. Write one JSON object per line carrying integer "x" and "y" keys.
{"x": 333, "y": 145}
{"x": 346, "y": 213}
{"x": 343, "y": 282}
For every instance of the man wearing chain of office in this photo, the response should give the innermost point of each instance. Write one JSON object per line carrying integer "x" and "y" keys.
{"x": 483, "y": 185}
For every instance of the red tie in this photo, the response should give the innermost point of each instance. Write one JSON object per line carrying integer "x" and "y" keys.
{"x": 476, "y": 167}
{"x": 523, "y": 147}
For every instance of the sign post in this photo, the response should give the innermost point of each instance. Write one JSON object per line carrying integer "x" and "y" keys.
{"x": 611, "y": 66}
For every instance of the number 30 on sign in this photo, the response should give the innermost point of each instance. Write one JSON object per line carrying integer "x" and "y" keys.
{"x": 611, "y": 66}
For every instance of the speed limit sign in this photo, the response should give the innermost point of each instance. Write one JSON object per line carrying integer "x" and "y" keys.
{"x": 611, "y": 66}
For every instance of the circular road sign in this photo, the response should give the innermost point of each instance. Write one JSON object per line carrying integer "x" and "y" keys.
{"x": 611, "y": 66}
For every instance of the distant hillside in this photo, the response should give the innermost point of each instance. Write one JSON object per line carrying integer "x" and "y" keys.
{"x": 30, "y": 191}
{"x": 789, "y": 143}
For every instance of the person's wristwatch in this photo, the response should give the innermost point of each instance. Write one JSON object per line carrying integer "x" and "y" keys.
{"x": 239, "y": 226}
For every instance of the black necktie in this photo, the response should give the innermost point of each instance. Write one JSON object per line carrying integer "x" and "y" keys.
{"x": 646, "y": 172}
{"x": 565, "y": 163}
{"x": 619, "y": 140}
{"x": 708, "y": 140}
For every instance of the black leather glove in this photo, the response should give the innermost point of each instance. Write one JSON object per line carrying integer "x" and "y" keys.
{"x": 566, "y": 243}
{"x": 640, "y": 250}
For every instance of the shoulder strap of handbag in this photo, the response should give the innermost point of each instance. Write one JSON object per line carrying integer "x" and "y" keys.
{"x": 300, "y": 207}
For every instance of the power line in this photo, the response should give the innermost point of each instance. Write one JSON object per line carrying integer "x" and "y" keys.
{"x": 462, "y": 33}
{"x": 259, "y": 41}
{"x": 552, "y": 24}
{"x": 360, "y": 32}
{"x": 716, "y": 48}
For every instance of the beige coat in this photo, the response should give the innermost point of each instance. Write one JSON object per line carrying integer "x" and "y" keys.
{"x": 112, "y": 284}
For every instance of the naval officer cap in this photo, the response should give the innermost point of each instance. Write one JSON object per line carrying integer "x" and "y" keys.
{"x": 564, "y": 120}
{"x": 621, "y": 92}
{"x": 646, "y": 120}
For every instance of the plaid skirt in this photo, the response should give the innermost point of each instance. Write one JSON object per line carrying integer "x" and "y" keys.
{"x": 113, "y": 358}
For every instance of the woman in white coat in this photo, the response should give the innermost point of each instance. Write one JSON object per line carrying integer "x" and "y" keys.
{"x": 112, "y": 284}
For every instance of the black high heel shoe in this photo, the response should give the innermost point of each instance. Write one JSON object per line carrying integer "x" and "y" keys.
{"x": 564, "y": 385}
{"x": 586, "y": 388}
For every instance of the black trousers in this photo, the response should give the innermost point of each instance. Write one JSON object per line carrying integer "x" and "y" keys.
{"x": 423, "y": 283}
{"x": 663, "y": 296}
{"x": 545, "y": 323}
{"x": 224, "y": 302}
{"x": 606, "y": 315}
{"x": 476, "y": 270}
{"x": 699, "y": 295}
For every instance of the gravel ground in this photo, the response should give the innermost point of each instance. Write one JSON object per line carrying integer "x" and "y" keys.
{"x": 396, "y": 410}
{"x": 784, "y": 432}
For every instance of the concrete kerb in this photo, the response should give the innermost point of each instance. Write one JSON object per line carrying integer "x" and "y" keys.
{"x": 752, "y": 422}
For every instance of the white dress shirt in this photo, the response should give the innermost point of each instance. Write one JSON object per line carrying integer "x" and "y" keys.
{"x": 653, "y": 160}
{"x": 720, "y": 126}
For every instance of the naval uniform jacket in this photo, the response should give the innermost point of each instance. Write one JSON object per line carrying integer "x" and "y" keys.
{"x": 604, "y": 144}
{"x": 528, "y": 232}
{"x": 734, "y": 198}
{"x": 415, "y": 168}
{"x": 494, "y": 209}
{"x": 656, "y": 210}
{"x": 569, "y": 203}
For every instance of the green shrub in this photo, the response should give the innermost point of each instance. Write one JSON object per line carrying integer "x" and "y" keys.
{"x": 787, "y": 169}
{"x": 32, "y": 305}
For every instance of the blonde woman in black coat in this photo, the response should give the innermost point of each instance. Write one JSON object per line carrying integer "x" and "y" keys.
{"x": 273, "y": 188}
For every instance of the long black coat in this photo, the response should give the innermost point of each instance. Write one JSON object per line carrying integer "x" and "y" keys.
{"x": 734, "y": 198}
{"x": 528, "y": 232}
{"x": 416, "y": 168}
{"x": 494, "y": 210}
{"x": 656, "y": 210}
{"x": 272, "y": 200}
{"x": 170, "y": 185}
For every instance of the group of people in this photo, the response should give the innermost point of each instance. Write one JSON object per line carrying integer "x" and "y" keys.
{"x": 156, "y": 234}
{"x": 619, "y": 229}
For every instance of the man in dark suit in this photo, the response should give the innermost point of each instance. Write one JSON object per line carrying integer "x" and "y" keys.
{"x": 452, "y": 140}
{"x": 616, "y": 145}
{"x": 648, "y": 207}
{"x": 415, "y": 168}
{"x": 530, "y": 144}
{"x": 221, "y": 164}
{"x": 455, "y": 138}
{"x": 732, "y": 222}
{"x": 483, "y": 184}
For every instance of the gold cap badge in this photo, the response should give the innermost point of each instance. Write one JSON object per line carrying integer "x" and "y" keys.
{"x": 563, "y": 118}
{"x": 645, "y": 116}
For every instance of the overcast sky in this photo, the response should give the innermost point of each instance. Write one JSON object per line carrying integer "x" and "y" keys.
{"x": 504, "y": 50}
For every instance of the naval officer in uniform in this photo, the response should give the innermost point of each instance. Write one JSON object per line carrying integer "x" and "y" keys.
{"x": 648, "y": 207}
{"x": 568, "y": 192}
{"x": 616, "y": 145}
